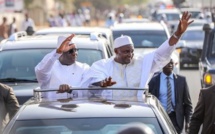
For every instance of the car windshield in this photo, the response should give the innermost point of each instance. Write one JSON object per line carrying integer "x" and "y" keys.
{"x": 169, "y": 16}
{"x": 211, "y": 51}
{"x": 194, "y": 35}
{"x": 195, "y": 14}
{"x": 18, "y": 65}
{"x": 81, "y": 126}
{"x": 144, "y": 39}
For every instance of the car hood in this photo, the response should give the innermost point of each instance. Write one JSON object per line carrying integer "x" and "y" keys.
{"x": 23, "y": 89}
{"x": 194, "y": 44}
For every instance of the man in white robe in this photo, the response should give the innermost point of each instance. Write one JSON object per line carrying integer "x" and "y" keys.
{"x": 127, "y": 70}
{"x": 59, "y": 69}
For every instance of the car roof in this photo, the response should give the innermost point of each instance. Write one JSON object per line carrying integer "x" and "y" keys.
{"x": 190, "y": 9}
{"x": 86, "y": 107}
{"x": 135, "y": 20}
{"x": 138, "y": 26}
{"x": 200, "y": 28}
{"x": 70, "y": 30}
{"x": 48, "y": 41}
{"x": 174, "y": 10}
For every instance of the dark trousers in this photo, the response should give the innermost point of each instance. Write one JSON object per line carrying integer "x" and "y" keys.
{"x": 172, "y": 117}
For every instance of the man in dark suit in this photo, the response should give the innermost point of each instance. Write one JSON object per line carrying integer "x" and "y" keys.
{"x": 173, "y": 93}
{"x": 8, "y": 104}
{"x": 204, "y": 113}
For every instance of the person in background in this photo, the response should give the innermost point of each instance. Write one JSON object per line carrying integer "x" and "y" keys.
{"x": 204, "y": 113}
{"x": 62, "y": 20}
{"x": 136, "y": 128}
{"x": 12, "y": 27}
{"x": 173, "y": 93}
{"x": 59, "y": 69}
{"x": 8, "y": 105}
{"x": 52, "y": 21}
{"x": 3, "y": 29}
{"x": 28, "y": 22}
{"x": 110, "y": 21}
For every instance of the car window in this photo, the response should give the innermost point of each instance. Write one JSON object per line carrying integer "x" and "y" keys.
{"x": 169, "y": 16}
{"x": 195, "y": 14}
{"x": 20, "y": 64}
{"x": 212, "y": 48}
{"x": 194, "y": 35}
{"x": 80, "y": 126}
{"x": 144, "y": 39}
{"x": 89, "y": 56}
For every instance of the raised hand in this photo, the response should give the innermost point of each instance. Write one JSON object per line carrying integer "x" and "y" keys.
{"x": 107, "y": 82}
{"x": 65, "y": 46}
{"x": 183, "y": 23}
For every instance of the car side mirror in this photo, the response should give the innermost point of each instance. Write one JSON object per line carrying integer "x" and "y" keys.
{"x": 213, "y": 17}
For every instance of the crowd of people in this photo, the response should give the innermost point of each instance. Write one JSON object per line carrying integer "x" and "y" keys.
{"x": 76, "y": 18}
{"x": 7, "y": 29}
{"x": 125, "y": 69}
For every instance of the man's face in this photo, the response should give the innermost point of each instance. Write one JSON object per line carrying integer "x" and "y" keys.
{"x": 169, "y": 67}
{"x": 124, "y": 54}
{"x": 71, "y": 55}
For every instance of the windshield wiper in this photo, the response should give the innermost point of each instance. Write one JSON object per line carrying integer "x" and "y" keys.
{"x": 16, "y": 80}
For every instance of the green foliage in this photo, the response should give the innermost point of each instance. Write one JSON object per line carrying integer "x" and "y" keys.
{"x": 27, "y": 3}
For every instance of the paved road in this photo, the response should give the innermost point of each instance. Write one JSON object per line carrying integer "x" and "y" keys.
{"x": 193, "y": 80}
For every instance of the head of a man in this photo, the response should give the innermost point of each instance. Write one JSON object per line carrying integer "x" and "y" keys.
{"x": 124, "y": 49}
{"x": 4, "y": 19}
{"x": 167, "y": 70}
{"x": 70, "y": 56}
{"x": 26, "y": 16}
{"x": 14, "y": 19}
{"x": 136, "y": 128}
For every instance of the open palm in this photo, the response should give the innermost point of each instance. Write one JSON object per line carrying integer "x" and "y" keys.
{"x": 64, "y": 47}
{"x": 184, "y": 22}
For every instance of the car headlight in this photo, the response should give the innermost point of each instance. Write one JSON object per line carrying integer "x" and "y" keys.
{"x": 178, "y": 50}
{"x": 208, "y": 79}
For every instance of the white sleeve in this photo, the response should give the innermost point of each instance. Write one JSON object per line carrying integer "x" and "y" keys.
{"x": 43, "y": 69}
{"x": 155, "y": 61}
{"x": 162, "y": 56}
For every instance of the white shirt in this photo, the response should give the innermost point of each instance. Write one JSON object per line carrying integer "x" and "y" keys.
{"x": 51, "y": 73}
{"x": 12, "y": 29}
{"x": 138, "y": 72}
{"x": 28, "y": 23}
{"x": 163, "y": 90}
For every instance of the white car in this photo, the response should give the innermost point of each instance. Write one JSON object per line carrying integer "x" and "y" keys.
{"x": 146, "y": 37}
{"x": 105, "y": 32}
{"x": 20, "y": 54}
{"x": 171, "y": 14}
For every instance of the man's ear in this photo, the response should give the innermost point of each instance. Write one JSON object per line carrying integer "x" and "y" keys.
{"x": 116, "y": 50}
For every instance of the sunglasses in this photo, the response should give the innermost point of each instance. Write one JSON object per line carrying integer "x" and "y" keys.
{"x": 71, "y": 51}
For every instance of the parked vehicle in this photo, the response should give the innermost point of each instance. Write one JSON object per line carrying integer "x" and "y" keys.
{"x": 206, "y": 63}
{"x": 105, "y": 32}
{"x": 21, "y": 53}
{"x": 196, "y": 12}
{"x": 91, "y": 114}
{"x": 191, "y": 51}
